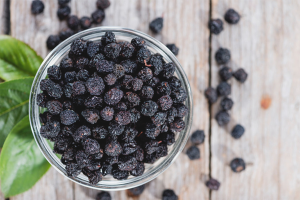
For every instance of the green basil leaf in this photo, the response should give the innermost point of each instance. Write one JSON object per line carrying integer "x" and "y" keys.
{"x": 21, "y": 162}
{"x": 14, "y": 98}
{"x": 17, "y": 59}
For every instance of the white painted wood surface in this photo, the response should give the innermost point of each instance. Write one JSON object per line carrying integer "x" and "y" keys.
{"x": 266, "y": 44}
{"x": 185, "y": 25}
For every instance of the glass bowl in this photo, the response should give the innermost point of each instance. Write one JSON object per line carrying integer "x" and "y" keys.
{"x": 108, "y": 182}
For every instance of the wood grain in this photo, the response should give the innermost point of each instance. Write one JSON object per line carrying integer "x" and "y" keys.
{"x": 185, "y": 25}
{"x": 265, "y": 44}
{"x": 4, "y": 14}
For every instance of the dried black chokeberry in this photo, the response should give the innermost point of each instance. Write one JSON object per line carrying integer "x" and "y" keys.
{"x": 174, "y": 83}
{"x": 37, "y": 7}
{"x": 135, "y": 115}
{"x": 152, "y": 131}
{"x": 211, "y": 95}
{"x": 73, "y": 169}
{"x": 115, "y": 128}
{"x": 137, "y": 84}
{"x": 91, "y": 115}
{"x": 224, "y": 89}
{"x": 145, "y": 74}
{"x": 68, "y": 117}
{"x": 237, "y": 131}
{"x": 163, "y": 88}
{"x": 54, "y": 107}
{"x": 82, "y": 75}
{"x": 109, "y": 37}
{"x": 222, "y": 118}
{"x": 165, "y": 102}
{"x": 103, "y": 66}
{"x": 103, "y": 4}
{"x": 93, "y": 102}
{"x": 112, "y": 50}
{"x": 177, "y": 126}
{"x": 78, "y": 47}
{"x": 226, "y": 104}
{"x": 149, "y": 108}
{"x": 113, "y": 148}
{"x": 66, "y": 33}
{"x": 193, "y": 153}
{"x": 222, "y": 56}
{"x": 81, "y": 133}
{"x": 66, "y": 64}
{"x": 156, "y": 61}
{"x": 173, "y": 48}
{"x": 136, "y": 191}
{"x": 63, "y": 12}
{"x": 138, "y": 42}
{"x": 91, "y": 146}
{"x": 168, "y": 70}
{"x": 156, "y": 25}
{"x": 54, "y": 72}
{"x": 129, "y": 66}
{"x": 42, "y": 99}
{"x": 99, "y": 132}
{"x": 240, "y": 75}
{"x": 143, "y": 55}
{"x": 98, "y": 16}
{"x": 52, "y": 41}
{"x": 119, "y": 175}
{"x": 198, "y": 137}
{"x": 107, "y": 113}
{"x": 159, "y": 118}
{"x": 50, "y": 129}
{"x": 169, "y": 194}
{"x": 215, "y": 26}
{"x": 70, "y": 77}
{"x": 225, "y": 73}
{"x": 85, "y": 22}
{"x": 113, "y": 96}
{"x": 127, "y": 50}
{"x": 119, "y": 71}
{"x": 232, "y": 17}
{"x": 127, "y": 163}
{"x": 95, "y": 86}
{"x": 110, "y": 79}
{"x": 147, "y": 92}
{"x": 103, "y": 196}
{"x": 123, "y": 117}
{"x": 63, "y": 2}
{"x": 182, "y": 110}
{"x": 151, "y": 146}
{"x": 237, "y": 165}
{"x": 78, "y": 88}
{"x": 179, "y": 95}
{"x": 73, "y": 22}
{"x": 213, "y": 184}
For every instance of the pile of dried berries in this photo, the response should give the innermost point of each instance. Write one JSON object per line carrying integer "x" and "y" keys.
{"x": 74, "y": 23}
{"x": 112, "y": 106}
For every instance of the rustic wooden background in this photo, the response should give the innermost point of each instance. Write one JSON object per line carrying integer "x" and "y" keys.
{"x": 266, "y": 43}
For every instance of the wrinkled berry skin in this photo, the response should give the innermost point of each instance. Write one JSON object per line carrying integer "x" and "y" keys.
{"x": 226, "y": 104}
{"x": 237, "y": 165}
{"x": 232, "y": 17}
{"x": 222, "y": 56}
{"x": 173, "y": 48}
{"x": 156, "y": 25}
{"x": 169, "y": 194}
{"x": 215, "y": 26}
{"x": 213, "y": 184}
{"x": 222, "y": 118}
{"x": 37, "y": 7}
{"x": 237, "y": 131}
{"x": 240, "y": 75}
{"x": 198, "y": 137}
{"x": 224, "y": 89}
{"x": 225, "y": 73}
{"x": 193, "y": 153}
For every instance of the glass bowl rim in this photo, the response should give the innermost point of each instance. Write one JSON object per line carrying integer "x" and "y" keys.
{"x": 177, "y": 149}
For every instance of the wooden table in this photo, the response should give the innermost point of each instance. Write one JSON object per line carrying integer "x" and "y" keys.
{"x": 266, "y": 43}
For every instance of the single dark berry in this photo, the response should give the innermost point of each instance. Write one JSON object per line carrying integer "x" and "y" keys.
{"x": 173, "y": 48}
{"x": 169, "y": 194}
{"x": 78, "y": 88}
{"x": 70, "y": 77}
{"x": 226, "y": 104}
{"x": 198, "y": 137}
{"x": 68, "y": 117}
{"x": 149, "y": 108}
{"x": 165, "y": 102}
{"x": 115, "y": 128}
{"x": 129, "y": 66}
{"x": 82, "y": 75}
{"x": 143, "y": 55}
{"x": 50, "y": 129}
{"x": 156, "y": 25}
{"x": 98, "y": 16}
{"x": 168, "y": 138}
{"x": 123, "y": 117}
{"x": 63, "y": 2}
{"x": 145, "y": 74}
{"x": 222, "y": 118}
{"x": 225, "y": 73}
{"x": 177, "y": 126}
{"x": 135, "y": 115}
{"x": 179, "y": 95}
{"x": 119, "y": 175}
{"x": 222, "y": 56}
{"x": 127, "y": 163}
{"x": 162, "y": 150}
{"x": 182, "y": 110}
{"x": 153, "y": 82}
{"x": 232, "y": 17}
{"x": 42, "y": 99}
{"x": 129, "y": 134}
{"x": 237, "y": 131}
{"x": 103, "y": 4}
{"x": 113, "y": 148}
{"x": 112, "y": 50}
{"x": 168, "y": 70}
{"x": 91, "y": 146}
{"x": 151, "y": 146}
{"x": 99, "y": 132}
{"x": 113, "y": 96}
{"x": 104, "y": 66}
{"x": 73, "y": 22}
{"x": 85, "y": 22}
{"x": 213, "y": 184}
{"x": 103, "y": 196}
{"x": 109, "y": 37}
{"x": 237, "y": 165}
{"x": 224, "y": 89}
{"x": 215, "y": 26}
{"x": 121, "y": 106}
{"x": 159, "y": 118}
{"x": 147, "y": 92}
{"x": 211, "y": 95}
{"x": 152, "y": 131}
{"x": 240, "y": 75}
{"x": 94, "y": 177}
{"x": 174, "y": 83}
{"x": 138, "y": 42}
{"x": 81, "y": 133}
{"x": 52, "y": 41}
{"x": 53, "y": 89}
{"x": 119, "y": 71}
{"x": 163, "y": 88}
{"x": 54, "y": 107}
{"x": 91, "y": 115}
{"x": 110, "y": 79}
{"x": 193, "y": 153}
{"x": 78, "y": 47}
{"x": 127, "y": 50}
{"x": 107, "y": 113}
{"x": 95, "y": 86}
{"x": 93, "y": 102}
{"x": 66, "y": 64}
{"x": 37, "y": 7}
{"x": 65, "y": 34}
{"x": 137, "y": 84}
{"x": 156, "y": 61}
{"x": 63, "y": 12}
{"x": 73, "y": 169}
{"x": 136, "y": 191}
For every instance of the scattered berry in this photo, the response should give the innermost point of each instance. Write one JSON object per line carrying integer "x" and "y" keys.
{"x": 169, "y": 194}
{"x": 173, "y": 48}
{"x": 98, "y": 16}
{"x": 237, "y": 165}
{"x": 193, "y": 153}
{"x": 232, "y": 17}
{"x": 103, "y": 196}
{"x": 225, "y": 73}
{"x": 37, "y": 7}
{"x": 240, "y": 75}
{"x": 215, "y": 26}
{"x": 224, "y": 89}
{"x": 222, "y": 118}
{"x": 198, "y": 137}
{"x": 213, "y": 184}
{"x": 52, "y": 41}
{"x": 103, "y": 4}
{"x": 156, "y": 25}
{"x": 73, "y": 22}
{"x": 222, "y": 56}
{"x": 136, "y": 191}
{"x": 211, "y": 95}
{"x": 63, "y": 12}
{"x": 85, "y": 22}
{"x": 237, "y": 131}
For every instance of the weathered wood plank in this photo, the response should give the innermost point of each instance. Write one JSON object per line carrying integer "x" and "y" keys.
{"x": 4, "y": 16}
{"x": 265, "y": 44}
